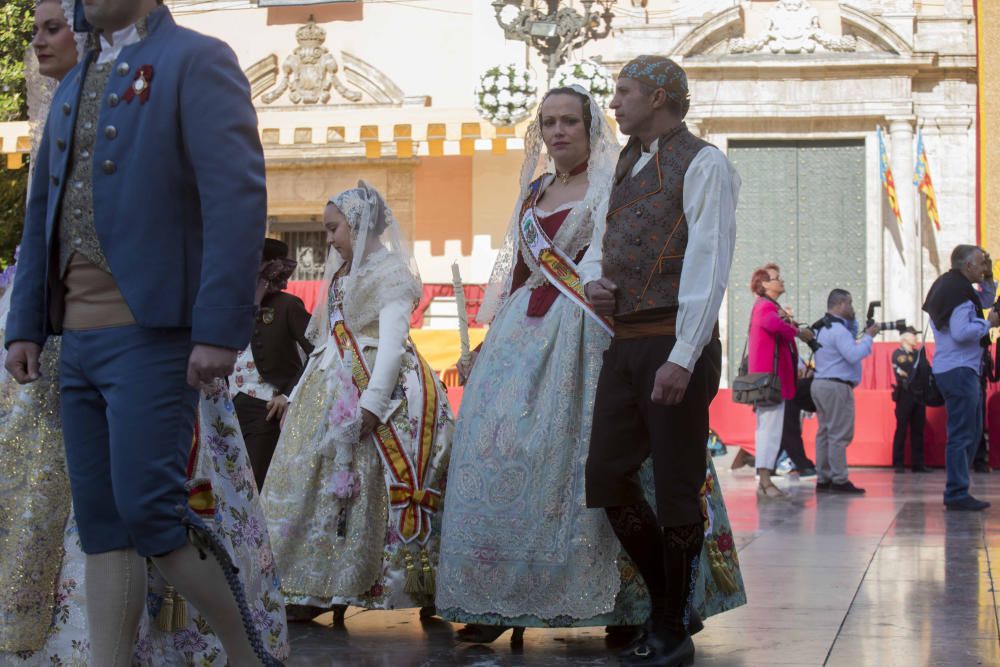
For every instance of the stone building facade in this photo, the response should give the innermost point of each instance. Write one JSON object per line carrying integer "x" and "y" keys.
{"x": 792, "y": 90}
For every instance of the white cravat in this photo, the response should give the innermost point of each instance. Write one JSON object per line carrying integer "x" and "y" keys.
{"x": 645, "y": 157}
{"x": 120, "y": 39}
{"x": 711, "y": 189}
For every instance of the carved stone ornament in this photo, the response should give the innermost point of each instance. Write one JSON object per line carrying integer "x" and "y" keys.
{"x": 794, "y": 28}
{"x": 310, "y": 71}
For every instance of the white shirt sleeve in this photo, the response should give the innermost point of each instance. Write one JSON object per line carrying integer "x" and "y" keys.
{"x": 711, "y": 189}
{"x": 393, "y": 328}
{"x": 590, "y": 266}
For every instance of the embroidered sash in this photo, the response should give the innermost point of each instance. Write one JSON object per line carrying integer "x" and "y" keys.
{"x": 557, "y": 268}
{"x": 407, "y": 492}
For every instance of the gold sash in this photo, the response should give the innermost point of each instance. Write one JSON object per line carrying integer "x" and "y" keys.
{"x": 407, "y": 493}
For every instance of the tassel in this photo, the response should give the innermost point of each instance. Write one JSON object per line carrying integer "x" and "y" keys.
{"x": 412, "y": 583}
{"x": 429, "y": 582}
{"x": 165, "y": 617}
{"x": 180, "y": 618}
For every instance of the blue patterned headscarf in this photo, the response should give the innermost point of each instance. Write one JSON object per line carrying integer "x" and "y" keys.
{"x": 660, "y": 72}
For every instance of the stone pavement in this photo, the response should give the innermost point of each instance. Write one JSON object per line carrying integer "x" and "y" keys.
{"x": 888, "y": 579}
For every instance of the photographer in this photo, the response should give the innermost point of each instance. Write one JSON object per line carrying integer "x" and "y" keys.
{"x": 961, "y": 333}
{"x": 910, "y": 409}
{"x": 268, "y": 369}
{"x": 838, "y": 372}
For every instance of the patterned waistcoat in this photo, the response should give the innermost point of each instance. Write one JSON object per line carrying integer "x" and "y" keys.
{"x": 646, "y": 232}
{"x": 76, "y": 221}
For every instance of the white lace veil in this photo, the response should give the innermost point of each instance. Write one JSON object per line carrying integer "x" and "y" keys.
{"x": 575, "y": 233}
{"x": 377, "y": 243}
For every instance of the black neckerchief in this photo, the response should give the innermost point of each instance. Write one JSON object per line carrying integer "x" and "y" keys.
{"x": 948, "y": 292}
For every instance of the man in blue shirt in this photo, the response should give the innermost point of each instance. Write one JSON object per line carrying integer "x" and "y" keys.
{"x": 838, "y": 372}
{"x": 955, "y": 309}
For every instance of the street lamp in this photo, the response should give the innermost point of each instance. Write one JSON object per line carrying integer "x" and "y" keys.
{"x": 554, "y": 30}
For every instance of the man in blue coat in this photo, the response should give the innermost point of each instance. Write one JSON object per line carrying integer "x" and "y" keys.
{"x": 141, "y": 246}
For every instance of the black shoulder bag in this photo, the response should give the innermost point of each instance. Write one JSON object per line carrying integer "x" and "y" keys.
{"x": 757, "y": 388}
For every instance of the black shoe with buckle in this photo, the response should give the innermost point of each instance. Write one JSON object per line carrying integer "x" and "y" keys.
{"x": 694, "y": 626}
{"x": 659, "y": 651}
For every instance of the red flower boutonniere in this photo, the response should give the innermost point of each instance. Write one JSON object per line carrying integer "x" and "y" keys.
{"x": 140, "y": 85}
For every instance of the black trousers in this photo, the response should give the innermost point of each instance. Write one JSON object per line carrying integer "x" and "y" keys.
{"x": 791, "y": 437}
{"x": 628, "y": 428}
{"x": 911, "y": 416}
{"x": 260, "y": 435}
{"x": 982, "y": 456}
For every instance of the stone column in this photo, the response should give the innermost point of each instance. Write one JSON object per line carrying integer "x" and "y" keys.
{"x": 908, "y": 301}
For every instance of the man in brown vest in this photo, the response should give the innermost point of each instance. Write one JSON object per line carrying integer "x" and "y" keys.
{"x": 659, "y": 264}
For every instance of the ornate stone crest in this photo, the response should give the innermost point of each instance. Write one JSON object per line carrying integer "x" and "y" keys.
{"x": 310, "y": 71}
{"x": 794, "y": 28}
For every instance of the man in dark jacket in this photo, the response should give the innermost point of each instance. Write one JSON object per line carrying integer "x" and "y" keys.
{"x": 268, "y": 369}
{"x": 910, "y": 409}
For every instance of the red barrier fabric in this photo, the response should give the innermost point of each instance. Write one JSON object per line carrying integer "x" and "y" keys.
{"x": 309, "y": 292}
{"x": 473, "y": 298}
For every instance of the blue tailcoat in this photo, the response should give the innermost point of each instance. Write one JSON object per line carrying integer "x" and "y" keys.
{"x": 180, "y": 203}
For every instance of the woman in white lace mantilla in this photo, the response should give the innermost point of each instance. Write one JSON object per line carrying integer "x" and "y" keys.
{"x": 43, "y": 586}
{"x": 356, "y": 480}
{"x": 519, "y": 547}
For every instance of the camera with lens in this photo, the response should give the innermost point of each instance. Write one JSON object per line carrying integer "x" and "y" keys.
{"x": 822, "y": 323}
{"x": 897, "y": 325}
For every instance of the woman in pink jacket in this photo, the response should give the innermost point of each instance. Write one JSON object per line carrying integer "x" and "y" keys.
{"x": 772, "y": 332}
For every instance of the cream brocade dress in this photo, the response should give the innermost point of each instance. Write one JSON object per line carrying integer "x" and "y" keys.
{"x": 330, "y": 551}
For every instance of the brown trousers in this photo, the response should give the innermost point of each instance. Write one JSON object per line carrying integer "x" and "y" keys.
{"x": 628, "y": 428}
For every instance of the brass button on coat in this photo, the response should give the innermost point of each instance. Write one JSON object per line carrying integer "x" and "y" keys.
{"x": 109, "y": 167}
{"x": 61, "y": 144}
{"x": 66, "y": 108}
{"x": 111, "y": 131}
{"x": 113, "y": 100}
{"x": 123, "y": 69}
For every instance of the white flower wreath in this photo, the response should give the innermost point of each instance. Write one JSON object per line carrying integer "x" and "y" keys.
{"x": 506, "y": 94}
{"x": 591, "y": 76}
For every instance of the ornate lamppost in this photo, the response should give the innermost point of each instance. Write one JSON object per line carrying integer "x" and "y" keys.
{"x": 553, "y": 27}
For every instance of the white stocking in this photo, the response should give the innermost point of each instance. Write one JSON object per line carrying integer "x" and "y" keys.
{"x": 116, "y": 592}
